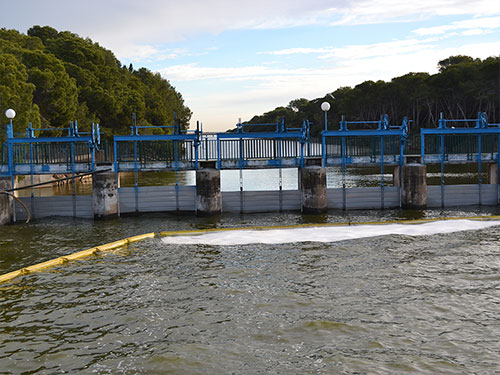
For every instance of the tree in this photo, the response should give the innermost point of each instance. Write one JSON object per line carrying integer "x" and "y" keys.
{"x": 55, "y": 91}
{"x": 463, "y": 87}
{"x": 17, "y": 93}
{"x": 72, "y": 78}
{"x": 454, "y": 60}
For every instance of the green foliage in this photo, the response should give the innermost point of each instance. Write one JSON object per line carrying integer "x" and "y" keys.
{"x": 16, "y": 92}
{"x": 53, "y": 78}
{"x": 463, "y": 87}
{"x": 455, "y": 60}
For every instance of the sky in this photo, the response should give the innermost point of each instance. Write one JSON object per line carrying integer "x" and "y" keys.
{"x": 236, "y": 59}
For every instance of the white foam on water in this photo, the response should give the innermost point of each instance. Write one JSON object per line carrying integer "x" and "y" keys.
{"x": 327, "y": 233}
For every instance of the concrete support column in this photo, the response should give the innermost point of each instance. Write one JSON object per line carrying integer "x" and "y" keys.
{"x": 313, "y": 190}
{"x": 208, "y": 195}
{"x": 414, "y": 185}
{"x": 395, "y": 175}
{"x": 105, "y": 194}
{"x": 6, "y": 206}
{"x": 493, "y": 174}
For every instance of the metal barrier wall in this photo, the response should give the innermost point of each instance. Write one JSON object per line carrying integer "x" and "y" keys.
{"x": 174, "y": 199}
{"x": 383, "y": 145}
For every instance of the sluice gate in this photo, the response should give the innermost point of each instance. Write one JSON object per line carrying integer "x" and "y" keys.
{"x": 391, "y": 148}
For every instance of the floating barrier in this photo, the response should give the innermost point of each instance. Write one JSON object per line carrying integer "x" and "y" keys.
{"x": 74, "y": 256}
{"x": 117, "y": 244}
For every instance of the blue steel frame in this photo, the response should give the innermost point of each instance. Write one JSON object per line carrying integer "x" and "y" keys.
{"x": 72, "y": 139}
{"x": 178, "y": 135}
{"x": 281, "y": 132}
{"x": 384, "y": 129}
{"x": 482, "y": 127}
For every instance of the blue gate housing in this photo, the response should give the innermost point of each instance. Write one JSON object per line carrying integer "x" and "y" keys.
{"x": 70, "y": 154}
{"x": 175, "y": 151}
{"x": 458, "y": 141}
{"x": 283, "y": 147}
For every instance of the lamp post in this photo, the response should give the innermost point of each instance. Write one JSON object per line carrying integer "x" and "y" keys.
{"x": 325, "y": 107}
{"x": 10, "y": 114}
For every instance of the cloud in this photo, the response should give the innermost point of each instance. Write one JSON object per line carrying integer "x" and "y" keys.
{"x": 143, "y": 30}
{"x": 361, "y": 50}
{"x": 148, "y": 53}
{"x": 125, "y": 23}
{"x": 484, "y": 24}
{"x": 296, "y": 51}
{"x": 367, "y": 11}
{"x": 194, "y": 72}
{"x": 271, "y": 88}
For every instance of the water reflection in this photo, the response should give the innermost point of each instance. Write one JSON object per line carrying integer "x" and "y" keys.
{"x": 410, "y": 214}
{"x": 269, "y": 179}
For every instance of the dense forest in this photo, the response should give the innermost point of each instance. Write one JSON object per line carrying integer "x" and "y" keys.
{"x": 51, "y": 78}
{"x": 463, "y": 87}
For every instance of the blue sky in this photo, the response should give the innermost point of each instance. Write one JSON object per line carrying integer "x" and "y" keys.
{"x": 236, "y": 59}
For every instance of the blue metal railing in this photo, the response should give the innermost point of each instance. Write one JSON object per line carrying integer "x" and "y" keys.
{"x": 275, "y": 147}
{"x": 284, "y": 146}
{"x": 446, "y": 139}
{"x": 480, "y": 143}
{"x": 385, "y": 140}
{"x": 341, "y": 147}
{"x": 175, "y": 150}
{"x": 34, "y": 155}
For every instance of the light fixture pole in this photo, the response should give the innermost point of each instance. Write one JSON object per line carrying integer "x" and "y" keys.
{"x": 325, "y": 107}
{"x": 10, "y": 114}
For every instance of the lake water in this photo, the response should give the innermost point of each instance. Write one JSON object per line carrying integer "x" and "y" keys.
{"x": 269, "y": 179}
{"x": 383, "y": 304}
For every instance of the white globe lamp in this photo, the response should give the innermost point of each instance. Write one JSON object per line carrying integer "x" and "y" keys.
{"x": 10, "y": 113}
{"x": 325, "y": 107}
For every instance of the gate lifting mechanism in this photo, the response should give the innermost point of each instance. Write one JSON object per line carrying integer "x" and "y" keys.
{"x": 348, "y": 152}
{"x": 72, "y": 153}
{"x": 279, "y": 147}
{"x": 177, "y": 150}
{"x": 446, "y": 127}
{"x": 461, "y": 146}
{"x": 356, "y": 146}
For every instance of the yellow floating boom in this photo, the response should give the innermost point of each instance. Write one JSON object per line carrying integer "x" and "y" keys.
{"x": 126, "y": 241}
{"x": 74, "y": 256}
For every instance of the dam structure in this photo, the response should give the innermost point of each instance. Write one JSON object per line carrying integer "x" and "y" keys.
{"x": 391, "y": 149}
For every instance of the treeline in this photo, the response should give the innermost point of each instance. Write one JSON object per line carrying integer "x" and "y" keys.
{"x": 51, "y": 78}
{"x": 463, "y": 87}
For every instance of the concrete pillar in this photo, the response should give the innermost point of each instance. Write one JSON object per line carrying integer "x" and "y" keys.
{"x": 414, "y": 185}
{"x": 313, "y": 190}
{"x": 395, "y": 175}
{"x": 493, "y": 174}
{"x": 6, "y": 206}
{"x": 105, "y": 194}
{"x": 208, "y": 196}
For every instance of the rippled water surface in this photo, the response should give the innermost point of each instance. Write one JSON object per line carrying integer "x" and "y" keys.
{"x": 390, "y": 304}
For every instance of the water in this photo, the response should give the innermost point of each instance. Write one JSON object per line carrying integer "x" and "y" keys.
{"x": 390, "y": 304}
{"x": 269, "y": 179}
